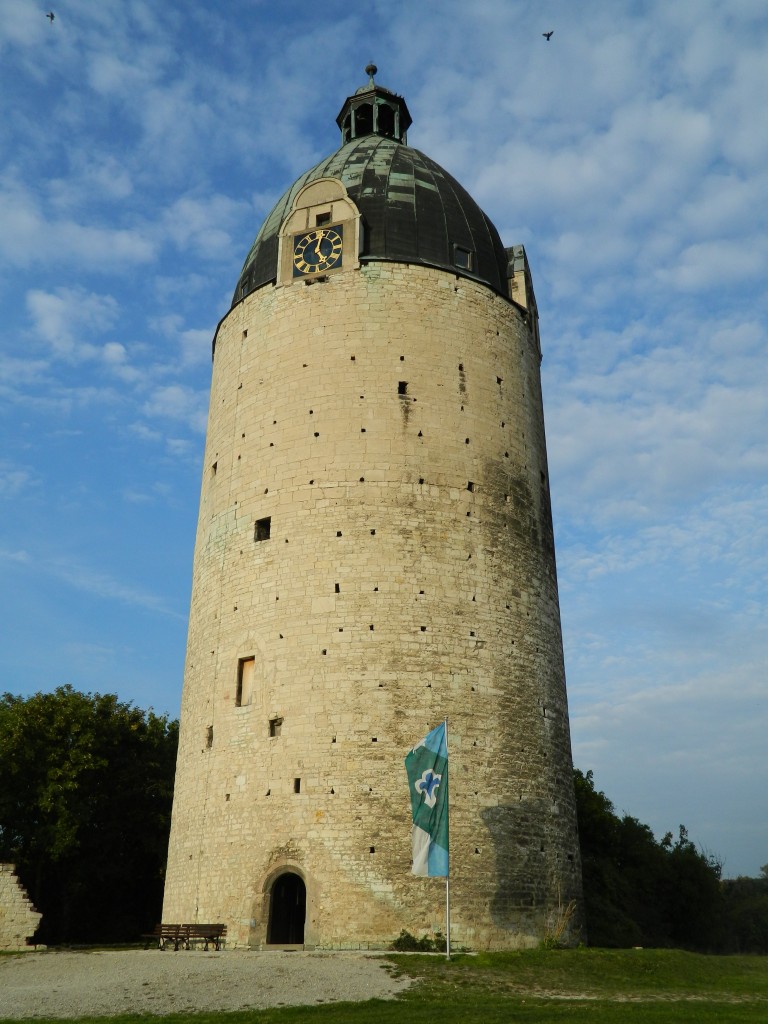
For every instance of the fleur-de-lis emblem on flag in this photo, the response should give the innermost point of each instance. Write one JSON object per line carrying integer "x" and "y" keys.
{"x": 427, "y": 785}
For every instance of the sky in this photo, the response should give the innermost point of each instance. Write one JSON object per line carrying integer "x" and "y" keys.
{"x": 141, "y": 147}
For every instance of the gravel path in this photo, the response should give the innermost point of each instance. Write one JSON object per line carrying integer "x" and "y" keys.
{"x": 104, "y": 983}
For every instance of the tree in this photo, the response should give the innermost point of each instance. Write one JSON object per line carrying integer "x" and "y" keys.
{"x": 640, "y": 892}
{"x": 746, "y": 914}
{"x": 86, "y": 784}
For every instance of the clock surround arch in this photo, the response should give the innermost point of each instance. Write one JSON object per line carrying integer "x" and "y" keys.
{"x": 323, "y": 202}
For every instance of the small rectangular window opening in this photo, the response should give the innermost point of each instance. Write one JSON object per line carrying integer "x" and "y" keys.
{"x": 322, "y": 218}
{"x": 297, "y": 785}
{"x": 462, "y": 258}
{"x": 402, "y": 387}
{"x": 245, "y": 671}
{"x": 275, "y": 726}
{"x": 262, "y": 528}
{"x": 470, "y": 486}
{"x": 209, "y": 737}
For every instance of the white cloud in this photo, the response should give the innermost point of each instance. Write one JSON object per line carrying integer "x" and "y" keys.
{"x": 715, "y": 264}
{"x": 145, "y": 433}
{"x": 204, "y": 224}
{"x": 92, "y": 178}
{"x": 16, "y": 373}
{"x": 101, "y": 584}
{"x": 177, "y": 402}
{"x": 21, "y": 557}
{"x": 181, "y": 448}
{"x": 14, "y": 479}
{"x": 32, "y": 237}
{"x": 61, "y": 318}
{"x": 21, "y": 25}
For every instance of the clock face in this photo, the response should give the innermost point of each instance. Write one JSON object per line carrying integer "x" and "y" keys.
{"x": 317, "y": 251}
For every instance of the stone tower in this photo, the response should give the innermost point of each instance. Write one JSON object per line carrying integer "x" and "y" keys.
{"x": 374, "y": 553}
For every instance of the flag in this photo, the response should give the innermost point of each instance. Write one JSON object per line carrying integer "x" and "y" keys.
{"x": 427, "y": 768}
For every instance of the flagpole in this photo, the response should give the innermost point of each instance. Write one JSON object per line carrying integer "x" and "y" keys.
{"x": 447, "y": 877}
{"x": 447, "y": 918}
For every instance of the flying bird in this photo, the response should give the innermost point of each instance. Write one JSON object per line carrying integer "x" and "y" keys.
{"x": 548, "y": 35}
{"x": 50, "y": 16}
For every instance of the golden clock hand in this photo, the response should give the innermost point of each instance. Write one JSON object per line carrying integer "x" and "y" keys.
{"x": 317, "y": 244}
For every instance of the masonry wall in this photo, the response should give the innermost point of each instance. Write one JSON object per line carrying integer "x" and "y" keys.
{"x": 388, "y": 422}
{"x": 18, "y": 918}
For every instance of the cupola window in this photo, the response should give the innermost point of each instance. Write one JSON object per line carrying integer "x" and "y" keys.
{"x": 386, "y": 119}
{"x": 363, "y": 116}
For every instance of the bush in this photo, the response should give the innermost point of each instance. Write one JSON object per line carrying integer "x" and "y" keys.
{"x": 407, "y": 943}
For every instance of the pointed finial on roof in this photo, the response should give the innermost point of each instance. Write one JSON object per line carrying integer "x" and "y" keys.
{"x": 370, "y": 70}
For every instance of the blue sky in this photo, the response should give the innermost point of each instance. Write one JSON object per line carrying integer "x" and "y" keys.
{"x": 142, "y": 144}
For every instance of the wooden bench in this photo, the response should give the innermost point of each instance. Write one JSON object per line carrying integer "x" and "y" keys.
{"x": 163, "y": 933}
{"x": 213, "y": 934}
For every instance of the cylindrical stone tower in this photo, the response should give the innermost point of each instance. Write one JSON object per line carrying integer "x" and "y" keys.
{"x": 374, "y": 554}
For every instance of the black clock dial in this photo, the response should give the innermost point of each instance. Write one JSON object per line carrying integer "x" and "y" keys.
{"x": 317, "y": 251}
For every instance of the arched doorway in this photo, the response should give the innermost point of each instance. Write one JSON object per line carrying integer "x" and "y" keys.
{"x": 287, "y": 910}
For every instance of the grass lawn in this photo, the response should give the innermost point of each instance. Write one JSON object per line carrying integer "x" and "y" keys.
{"x": 644, "y": 986}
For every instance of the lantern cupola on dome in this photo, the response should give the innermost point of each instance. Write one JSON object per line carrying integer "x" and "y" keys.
{"x": 374, "y": 110}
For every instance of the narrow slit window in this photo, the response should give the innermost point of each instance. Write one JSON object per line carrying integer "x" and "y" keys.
{"x": 209, "y": 737}
{"x": 275, "y": 726}
{"x": 402, "y": 387}
{"x": 262, "y": 528}
{"x": 297, "y": 785}
{"x": 245, "y": 673}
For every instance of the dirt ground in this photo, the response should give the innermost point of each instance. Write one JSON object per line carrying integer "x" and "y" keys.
{"x": 105, "y": 983}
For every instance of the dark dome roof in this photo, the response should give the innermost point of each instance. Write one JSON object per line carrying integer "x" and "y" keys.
{"x": 413, "y": 212}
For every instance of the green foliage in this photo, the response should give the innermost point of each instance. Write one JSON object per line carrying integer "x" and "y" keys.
{"x": 640, "y": 892}
{"x": 745, "y": 914}
{"x": 86, "y": 784}
{"x": 407, "y": 943}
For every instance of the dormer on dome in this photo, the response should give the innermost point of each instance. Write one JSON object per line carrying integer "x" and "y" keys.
{"x": 374, "y": 110}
